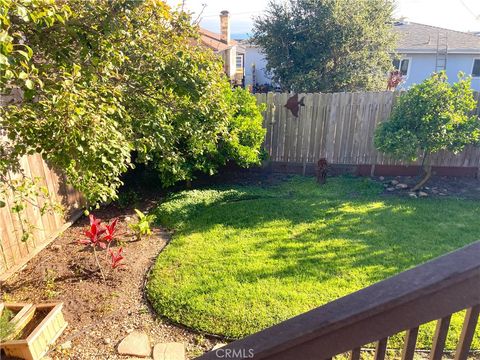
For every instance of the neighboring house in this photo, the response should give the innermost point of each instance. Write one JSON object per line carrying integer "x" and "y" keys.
{"x": 232, "y": 53}
{"x": 255, "y": 65}
{"x": 422, "y": 50}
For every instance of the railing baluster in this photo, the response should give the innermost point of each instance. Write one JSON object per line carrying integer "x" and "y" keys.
{"x": 439, "y": 338}
{"x": 381, "y": 349}
{"x": 410, "y": 342}
{"x": 355, "y": 355}
{"x": 468, "y": 329}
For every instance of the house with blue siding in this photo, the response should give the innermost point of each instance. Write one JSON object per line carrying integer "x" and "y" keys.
{"x": 421, "y": 51}
{"x": 424, "y": 49}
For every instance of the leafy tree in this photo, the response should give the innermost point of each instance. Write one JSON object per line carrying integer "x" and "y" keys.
{"x": 432, "y": 116}
{"x": 102, "y": 79}
{"x": 327, "y": 45}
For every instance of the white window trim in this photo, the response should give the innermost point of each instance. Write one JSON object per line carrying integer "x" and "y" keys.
{"x": 471, "y": 71}
{"x": 241, "y": 57}
{"x": 409, "y": 65}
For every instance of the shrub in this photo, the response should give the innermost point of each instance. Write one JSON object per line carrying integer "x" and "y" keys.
{"x": 108, "y": 78}
{"x": 141, "y": 226}
{"x": 430, "y": 117}
{"x": 102, "y": 236}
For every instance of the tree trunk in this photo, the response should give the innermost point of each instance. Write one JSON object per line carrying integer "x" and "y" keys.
{"x": 427, "y": 171}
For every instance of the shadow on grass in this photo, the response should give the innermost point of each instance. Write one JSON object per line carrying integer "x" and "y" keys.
{"x": 245, "y": 257}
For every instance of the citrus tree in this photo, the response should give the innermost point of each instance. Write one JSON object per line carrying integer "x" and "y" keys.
{"x": 432, "y": 116}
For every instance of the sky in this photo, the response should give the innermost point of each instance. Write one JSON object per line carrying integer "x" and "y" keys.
{"x": 462, "y": 15}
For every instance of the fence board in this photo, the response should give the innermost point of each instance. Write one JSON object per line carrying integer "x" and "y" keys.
{"x": 13, "y": 251}
{"x": 340, "y": 127}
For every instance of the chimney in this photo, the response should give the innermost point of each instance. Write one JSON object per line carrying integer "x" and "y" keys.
{"x": 225, "y": 26}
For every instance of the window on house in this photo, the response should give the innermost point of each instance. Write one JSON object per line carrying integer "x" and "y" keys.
{"x": 402, "y": 65}
{"x": 476, "y": 68}
{"x": 239, "y": 61}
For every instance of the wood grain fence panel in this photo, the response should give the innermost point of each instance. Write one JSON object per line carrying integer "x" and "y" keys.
{"x": 269, "y": 116}
{"x": 321, "y": 137}
{"x": 35, "y": 164}
{"x": 331, "y": 125}
{"x": 350, "y": 126}
{"x": 14, "y": 249}
{"x": 313, "y": 129}
{"x": 341, "y": 128}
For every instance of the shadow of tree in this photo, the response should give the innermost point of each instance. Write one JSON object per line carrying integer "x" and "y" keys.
{"x": 244, "y": 258}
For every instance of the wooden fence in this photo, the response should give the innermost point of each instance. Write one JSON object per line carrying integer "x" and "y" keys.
{"x": 13, "y": 251}
{"x": 339, "y": 127}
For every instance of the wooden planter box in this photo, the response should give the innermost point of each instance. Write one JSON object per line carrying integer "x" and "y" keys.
{"x": 22, "y": 313}
{"x": 40, "y": 326}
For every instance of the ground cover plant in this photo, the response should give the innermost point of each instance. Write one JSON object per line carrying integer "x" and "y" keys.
{"x": 246, "y": 257}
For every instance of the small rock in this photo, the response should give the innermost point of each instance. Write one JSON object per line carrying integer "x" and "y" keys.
{"x": 401, "y": 186}
{"x": 422, "y": 194}
{"x": 56, "y": 247}
{"x": 394, "y": 182}
{"x": 390, "y": 189}
{"x": 66, "y": 345}
{"x": 381, "y": 178}
{"x": 442, "y": 194}
{"x": 434, "y": 191}
{"x": 135, "y": 344}
{"x": 107, "y": 341}
{"x": 129, "y": 331}
{"x": 412, "y": 194}
{"x": 169, "y": 351}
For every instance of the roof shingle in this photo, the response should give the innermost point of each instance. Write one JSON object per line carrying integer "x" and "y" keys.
{"x": 214, "y": 40}
{"x": 423, "y": 38}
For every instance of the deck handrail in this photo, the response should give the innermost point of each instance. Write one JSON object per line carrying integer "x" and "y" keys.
{"x": 431, "y": 291}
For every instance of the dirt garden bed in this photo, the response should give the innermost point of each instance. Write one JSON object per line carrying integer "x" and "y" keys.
{"x": 99, "y": 314}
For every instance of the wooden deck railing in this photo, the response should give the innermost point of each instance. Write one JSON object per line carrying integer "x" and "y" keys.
{"x": 432, "y": 291}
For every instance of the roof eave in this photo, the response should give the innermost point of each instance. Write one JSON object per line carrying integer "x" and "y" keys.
{"x": 434, "y": 51}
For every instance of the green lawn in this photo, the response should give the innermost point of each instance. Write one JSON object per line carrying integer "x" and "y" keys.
{"x": 245, "y": 258}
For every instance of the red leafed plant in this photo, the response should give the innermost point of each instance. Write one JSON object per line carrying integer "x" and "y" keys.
{"x": 94, "y": 233}
{"x": 102, "y": 236}
{"x": 110, "y": 230}
{"x": 116, "y": 258}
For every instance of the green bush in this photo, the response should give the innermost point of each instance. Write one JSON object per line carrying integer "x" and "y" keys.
{"x": 432, "y": 116}
{"x": 108, "y": 78}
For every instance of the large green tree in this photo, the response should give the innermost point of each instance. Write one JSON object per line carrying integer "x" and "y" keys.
{"x": 104, "y": 78}
{"x": 327, "y": 45}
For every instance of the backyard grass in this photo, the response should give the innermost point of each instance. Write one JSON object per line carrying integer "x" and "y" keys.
{"x": 243, "y": 258}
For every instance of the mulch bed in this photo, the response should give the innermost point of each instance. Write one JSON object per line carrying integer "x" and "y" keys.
{"x": 99, "y": 314}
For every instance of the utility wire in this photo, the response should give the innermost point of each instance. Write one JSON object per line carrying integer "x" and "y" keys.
{"x": 476, "y": 17}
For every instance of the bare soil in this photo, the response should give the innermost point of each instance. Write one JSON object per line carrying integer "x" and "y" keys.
{"x": 99, "y": 314}
{"x": 437, "y": 186}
